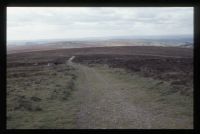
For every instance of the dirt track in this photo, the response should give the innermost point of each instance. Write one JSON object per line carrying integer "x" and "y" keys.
{"x": 106, "y": 104}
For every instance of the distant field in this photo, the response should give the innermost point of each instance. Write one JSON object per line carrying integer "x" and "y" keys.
{"x": 101, "y": 88}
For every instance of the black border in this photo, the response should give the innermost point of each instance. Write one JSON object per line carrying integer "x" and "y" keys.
{"x": 98, "y": 3}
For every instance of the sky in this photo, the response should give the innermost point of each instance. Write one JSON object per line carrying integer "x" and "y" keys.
{"x": 35, "y": 23}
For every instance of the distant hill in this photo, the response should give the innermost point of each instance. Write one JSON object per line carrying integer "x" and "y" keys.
{"x": 173, "y": 41}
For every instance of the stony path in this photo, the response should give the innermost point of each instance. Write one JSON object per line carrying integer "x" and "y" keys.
{"x": 104, "y": 105}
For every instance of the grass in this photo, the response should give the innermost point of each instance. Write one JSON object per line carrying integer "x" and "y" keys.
{"x": 38, "y": 99}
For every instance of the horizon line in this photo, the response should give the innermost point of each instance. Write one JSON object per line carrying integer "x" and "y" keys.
{"x": 106, "y": 37}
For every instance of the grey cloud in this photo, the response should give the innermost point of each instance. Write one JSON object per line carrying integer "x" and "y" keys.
{"x": 100, "y": 20}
